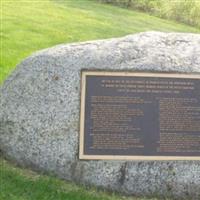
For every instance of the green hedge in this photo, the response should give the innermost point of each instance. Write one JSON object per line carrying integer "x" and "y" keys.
{"x": 185, "y": 11}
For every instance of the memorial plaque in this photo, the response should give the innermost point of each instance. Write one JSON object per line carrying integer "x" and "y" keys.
{"x": 140, "y": 116}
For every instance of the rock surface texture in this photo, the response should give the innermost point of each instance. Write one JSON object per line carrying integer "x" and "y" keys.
{"x": 40, "y": 103}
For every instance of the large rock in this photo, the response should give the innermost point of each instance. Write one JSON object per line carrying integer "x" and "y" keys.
{"x": 40, "y": 103}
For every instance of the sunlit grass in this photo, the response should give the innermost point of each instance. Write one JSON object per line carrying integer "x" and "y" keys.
{"x": 27, "y": 26}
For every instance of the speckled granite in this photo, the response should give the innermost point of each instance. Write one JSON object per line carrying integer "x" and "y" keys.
{"x": 40, "y": 103}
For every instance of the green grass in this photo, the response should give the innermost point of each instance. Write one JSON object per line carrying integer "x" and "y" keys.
{"x": 24, "y": 184}
{"x": 27, "y": 26}
{"x": 186, "y": 11}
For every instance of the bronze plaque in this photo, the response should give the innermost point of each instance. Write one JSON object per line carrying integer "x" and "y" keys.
{"x": 140, "y": 116}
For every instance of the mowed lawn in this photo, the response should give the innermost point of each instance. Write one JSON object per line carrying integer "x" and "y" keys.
{"x": 27, "y": 26}
{"x": 23, "y": 184}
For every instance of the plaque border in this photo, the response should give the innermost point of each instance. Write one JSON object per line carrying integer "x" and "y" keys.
{"x": 85, "y": 73}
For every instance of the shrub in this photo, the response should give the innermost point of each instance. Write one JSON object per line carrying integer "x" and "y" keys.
{"x": 185, "y": 11}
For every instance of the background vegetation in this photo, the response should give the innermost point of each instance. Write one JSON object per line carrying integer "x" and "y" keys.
{"x": 185, "y": 11}
{"x": 27, "y": 26}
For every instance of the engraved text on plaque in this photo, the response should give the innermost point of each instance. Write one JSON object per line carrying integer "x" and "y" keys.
{"x": 142, "y": 116}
